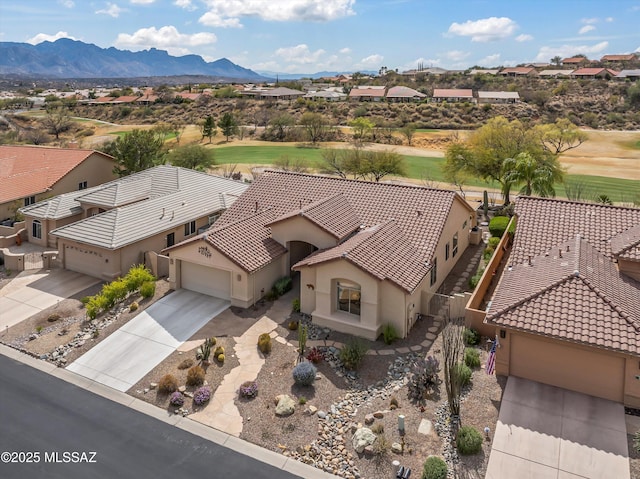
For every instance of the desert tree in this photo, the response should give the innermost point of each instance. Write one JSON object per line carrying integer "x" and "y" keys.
{"x": 208, "y": 128}
{"x": 57, "y": 120}
{"x": 560, "y": 136}
{"x": 228, "y": 124}
{"x": 408, "y": 131}
{"x": 193, "y": 157}
{"x": 375, "y": 165}
{"x": 538, "y": 175}
{"x": 296, "y": 165}
{"x": 362, "y": 128}
{"x": 280, "y": 125}
{"x": 315, "y": 125}
{"x": 136, "y": 151}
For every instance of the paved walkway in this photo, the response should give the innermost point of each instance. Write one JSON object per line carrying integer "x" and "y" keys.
{"x": 545, "y": 432}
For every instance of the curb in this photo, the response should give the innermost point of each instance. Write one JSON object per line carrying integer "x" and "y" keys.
{"x": 210, "y": 434}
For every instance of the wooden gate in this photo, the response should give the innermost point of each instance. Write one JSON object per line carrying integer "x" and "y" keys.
{"x": 33, "y": 261}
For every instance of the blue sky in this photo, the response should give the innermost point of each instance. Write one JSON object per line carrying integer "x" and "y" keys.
{"x": 306, "y": 36}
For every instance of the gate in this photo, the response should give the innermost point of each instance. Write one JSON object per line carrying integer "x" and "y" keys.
{"x": 33, "y": 261}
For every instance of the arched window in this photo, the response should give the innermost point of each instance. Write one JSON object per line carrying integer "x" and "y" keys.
{"x": 348, "y": 297}
{"x": 36, "y": 229}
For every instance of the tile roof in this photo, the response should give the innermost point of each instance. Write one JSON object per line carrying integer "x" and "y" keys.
{"x": 452, "y": 93}
{"x": 195, "y": 195}
{"x": 368, "y": 92}
{"x": 618, "y": 58}
{"x": 503, "y": 95}
{"x": 29, "y": 170}
{"x": 404, "y": 92}
{"x": 247, "y": 242}
{"x": 419, "y": 213}
{"x": 594, "y": 71}
{"x": 517, "y": 70}
{"x": 572, "y": 289}
{"x": 335, "y": 215}
{"x": 383, "y": 251}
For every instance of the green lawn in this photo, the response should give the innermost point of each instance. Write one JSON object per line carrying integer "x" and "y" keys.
{"x": 420, "y": 167}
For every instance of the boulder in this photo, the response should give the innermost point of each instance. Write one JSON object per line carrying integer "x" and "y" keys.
{"x": 286, "y": 405}
{"x": 396, "y": 448}
{"x": 362, "y": 438}
{"x": 369, "y": 419}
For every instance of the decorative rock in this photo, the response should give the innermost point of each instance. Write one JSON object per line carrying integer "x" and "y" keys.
{"x": 153, "y": 386}
{"x": 425, "y": 427}
{"x": 378, "y": 414}
{"x": 362, "y": 438}
{"x": 182, "y": 389}
{"x": 312, "y": 410}
{"x": 188, "y": 394}
{"x": 322, "y": 414}
{"x": 286, "y": 405}
{"x": 396, "y": 448}
{"x": 368, "y": 419}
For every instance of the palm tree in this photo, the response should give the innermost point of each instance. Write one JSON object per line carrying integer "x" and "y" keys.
{"x": 538, "y": 174}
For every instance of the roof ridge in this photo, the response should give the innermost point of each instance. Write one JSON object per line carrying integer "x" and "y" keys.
{"x": 576, "y": 202}
{"x": 238, "y": 221}
{"x": 598, "y": 292}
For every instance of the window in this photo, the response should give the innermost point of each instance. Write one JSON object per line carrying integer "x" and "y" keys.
{"x": 190, "y": 228}
{"x": 434, "y": 271}
{"x": 213, "y": 218}
{"x": 455, "y": 245}
{"x": 446, "y": 251}
{"x": 36, "y": 229}
{"x": 348, "y": 297}
{"x": 82, "y": 185}
{"x": 29, "y": 200}
{"x": 171, "y": 239}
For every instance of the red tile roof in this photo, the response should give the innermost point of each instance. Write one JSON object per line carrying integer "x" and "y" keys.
{"x": 367, "y": 92}
{"x": 627, "y": 244}
{"x": 575, "y": 60}
{"x": 452, "y": 93}
{"x": 618, "y": 58}
{"x": 383, "y": 251}
{"x": 572, "y": 289}
{"x": 518, "y": 70}
{"x": 594, "y": 71}
{"x": 419, "y": 213}
{"x": 335, "y": 215}
{"x": 29, "y": 170}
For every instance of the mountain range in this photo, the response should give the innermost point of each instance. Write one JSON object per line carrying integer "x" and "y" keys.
{"x": 66, "y": 58}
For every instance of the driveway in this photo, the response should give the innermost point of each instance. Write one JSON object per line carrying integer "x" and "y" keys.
{"x": 549, "y": 432}
{"x": 30, "y": 293}
{"x": 128, "y": 354}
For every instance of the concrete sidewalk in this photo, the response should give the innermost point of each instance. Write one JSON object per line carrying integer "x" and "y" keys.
{"x": 549, "y": 432}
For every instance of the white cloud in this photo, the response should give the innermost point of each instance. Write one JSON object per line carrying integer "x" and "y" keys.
{"x": 564, "y": 51}
{"x": 112, "y": 10}
{"x": 186, "y": 4}
{"x": 345, "y": 51}
{"x": 608, "y": 19}
{"x": 637, "y": 50}
{"x": 524, "y": 38}
{"x": 142, "y": 2}
{"x": 456, "y": 55}
{"x": 590, "y": 21}
{"x": 371, "y": 62}
{"x": 490, "y": 60}
{"x": 485, "y": 29}
{"x": 586, "y": 29}
{"x": 226, "y": 13}
{"x": 299, "y": 54}
{"x": 67, "y": 3}
{"x": 44, "y": 37}
{"x": 167, "y": 38}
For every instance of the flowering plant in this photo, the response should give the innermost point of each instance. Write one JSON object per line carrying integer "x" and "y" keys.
{"x": 202, "y": 395}
{"x": 248, "y": 389}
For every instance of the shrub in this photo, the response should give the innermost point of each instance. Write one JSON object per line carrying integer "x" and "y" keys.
{"x": 220, "y": 358}
{"x": 186, "y": 364}
{"x": 167, "y": 384}
{"x": 293, "y": 325}
{"x": 302, "y": 400}
{"x": 424, "y": 377}
{"x": 352, "y": 354}
{"x": 53, "y": 318}
{"x": 498, "y": 225}
{"x": 434, "y": 468}
{"x": 464, "y": 373}
{"x": 176, "y": 399}
{"x": 377, "y": 428}
{"x": 248, "y": 389}
{"x": 393, "y": 403}
{"x": 264, "y": 343}
{"x": 219, "y": 350}
{"x": 148, "y": 289}
{"x": 195, "y": 376}
{"x": 389, "y": 333}
{"x": 295, "y": 305}
{"x": 133, "y": 307}
{"x": 472, "y": 358}
{"x": 493, "y": 242}
{"x": 636, "y": 441}
{"x": 202, "y": 395}
{"x": 468, "y": 440}
{"x": 282, "y": 285}
{"x": 471, "y": 337}
{"x": 204, "y": 350}
{"x": 137, "y": 276}
{"x": 315, "y": 355}
{"x": 304, "y": 374}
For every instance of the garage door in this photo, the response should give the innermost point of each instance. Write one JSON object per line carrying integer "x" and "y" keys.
{"x": 560, "y": 364}
{"x": 205, "y": 280}
{"x": 84, "y": 261}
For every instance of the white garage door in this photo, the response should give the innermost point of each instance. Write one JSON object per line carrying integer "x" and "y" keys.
{"x": 205, "y": 280}
{"x": 83, "y": 261}
{"x": 563, "y": 365}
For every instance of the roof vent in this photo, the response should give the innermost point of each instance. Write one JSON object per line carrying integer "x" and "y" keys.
{"x": 162, "y": 216}
{"x": 256, "y": 206}
{"x": 173, "y": 213}
{"x": 576, "y": 273}
{"x": 568, "y": 248}
{"x": 530, "y": 260}
{"x": 559, "y": 252}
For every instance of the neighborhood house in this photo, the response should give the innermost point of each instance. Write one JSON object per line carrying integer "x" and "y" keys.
{"x": 367, "y": 253}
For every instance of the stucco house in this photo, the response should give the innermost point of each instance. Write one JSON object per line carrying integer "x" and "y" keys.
{"x": 366, "y": 253}
{"x": 566, "y": 309}
{"x": 103, "y": 231}
{"x": 31, "y": 173}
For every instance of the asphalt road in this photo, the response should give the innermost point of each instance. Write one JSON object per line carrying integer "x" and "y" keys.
{"x": 41, "y": 415}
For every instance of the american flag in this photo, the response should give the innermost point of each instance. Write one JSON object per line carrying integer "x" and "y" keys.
{"x": 491, "y": 362}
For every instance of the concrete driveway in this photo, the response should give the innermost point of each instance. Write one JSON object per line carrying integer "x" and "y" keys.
{"x": 546, "y": 432}
{"x": 128, "y": 354}
{"x": 29, "y": 293}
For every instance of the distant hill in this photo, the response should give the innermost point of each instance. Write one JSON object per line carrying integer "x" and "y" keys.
{"x": 314, "y": 76}
{"x": 67, "y": 58}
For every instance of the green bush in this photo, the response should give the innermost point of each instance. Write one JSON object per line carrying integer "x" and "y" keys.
{"x": 352, "y": 354}
{"x": 264, "y": 343}
{"x": 464, "y": 373}
{"x": 282, "y": 285}
{"x": 148, "y": 289}
{"x": 434, "y": 468}
{"x": 475, "y": 279}
{"x": 493, "y": 242}
{"x": 137, "y": 276}
{"x": 498, "y": 225}
{"x": 389, "y": 333}
{"x": 471, "y": 337}
{"x": 468, "y": 440}
{"x": 195, "y": 376}
{"x": 472, "y": 358}
{"x": 636, "y": 441}
{"x": 295, "y": 305}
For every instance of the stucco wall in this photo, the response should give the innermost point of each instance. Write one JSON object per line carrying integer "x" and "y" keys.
{"x": 104, "y": 264}
{"x": 297, "y": 228}
{"x": 630, "y": 268}
{"x": 95, "y": 170}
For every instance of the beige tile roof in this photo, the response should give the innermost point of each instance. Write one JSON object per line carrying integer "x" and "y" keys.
{"x": 419, "y": 213}
{"x": 381, "y": 250}
{"x": 247, "y": 242}
{"x": 29, "y": 170}
{"x": 572, "y": 289}
{"x": 335, "y": 215}
{"x": 627, "y": 244}
{"x": 404, "y": 92}
{"x": 452, "y": 93}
